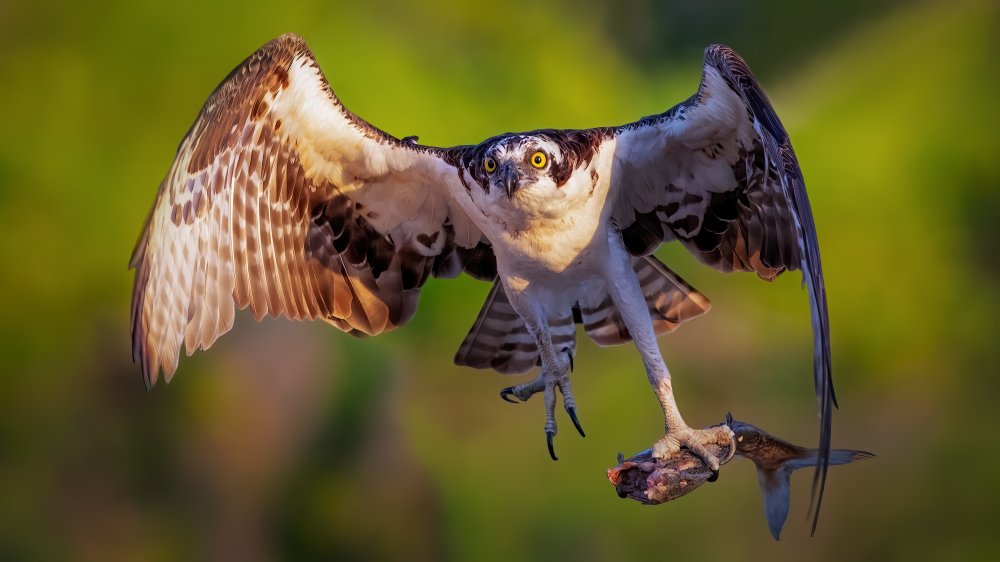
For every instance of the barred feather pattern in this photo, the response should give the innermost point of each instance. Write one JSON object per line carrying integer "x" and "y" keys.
{"x": 282, "y": 201}
{"x": 715, "y": 184}
{"x": 671, "y": 301}
{"x": 500, "y": 341}
{"x": 499, "y": 338}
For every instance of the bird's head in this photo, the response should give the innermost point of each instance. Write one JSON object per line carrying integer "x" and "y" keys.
{"x": 512, "y": 164}
{"x": 527, "y": 173}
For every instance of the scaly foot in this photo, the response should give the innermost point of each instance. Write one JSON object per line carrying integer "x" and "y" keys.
{"x": 547, "y": 384}
{"x": 696, "y": 440}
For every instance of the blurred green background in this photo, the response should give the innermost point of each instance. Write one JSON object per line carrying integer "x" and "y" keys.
{"x": 294, "y": 441}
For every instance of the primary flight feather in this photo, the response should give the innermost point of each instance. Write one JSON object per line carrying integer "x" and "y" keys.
{"x": 283, "y": 201}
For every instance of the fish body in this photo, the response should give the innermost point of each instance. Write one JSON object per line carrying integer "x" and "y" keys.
{"x": 648, "y": 481}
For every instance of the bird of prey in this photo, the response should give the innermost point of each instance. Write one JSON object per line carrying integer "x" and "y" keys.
{"x": 281, "y": 200}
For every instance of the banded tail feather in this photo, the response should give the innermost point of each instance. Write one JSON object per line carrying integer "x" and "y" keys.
{"x": 670, "y": 299}
{"x": 499, "y": 339}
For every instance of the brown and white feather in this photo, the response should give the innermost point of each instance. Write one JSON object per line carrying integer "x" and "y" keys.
{"x": 282, "y": 201}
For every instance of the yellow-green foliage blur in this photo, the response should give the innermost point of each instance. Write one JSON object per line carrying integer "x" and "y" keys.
{"x": 294, "y": 441}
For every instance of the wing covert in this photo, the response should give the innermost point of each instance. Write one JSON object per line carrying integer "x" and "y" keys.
{"x": 281, "y": 200}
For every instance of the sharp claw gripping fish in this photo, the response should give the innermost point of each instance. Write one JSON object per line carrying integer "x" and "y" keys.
{"x": 648, "y": 481}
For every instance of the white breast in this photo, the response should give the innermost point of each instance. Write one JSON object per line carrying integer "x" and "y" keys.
{"x": 570, "y": 246}
{"x": 555, "y": 246}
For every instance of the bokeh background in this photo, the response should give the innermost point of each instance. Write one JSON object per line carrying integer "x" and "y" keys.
{"x": 294, "y": 441}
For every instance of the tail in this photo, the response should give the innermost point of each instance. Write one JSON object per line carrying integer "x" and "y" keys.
{"x": 671, "y": 301}
{"x": 499, "y": 339}
{"x": 774, "y": 481}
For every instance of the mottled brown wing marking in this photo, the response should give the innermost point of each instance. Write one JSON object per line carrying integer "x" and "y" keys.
{"x": 748, "y": 228}
{"x": 479, "y": 261}
{"x": 645, "y": 235}
{"x": 282, "y": 201}
{"x": 244, "y": 92}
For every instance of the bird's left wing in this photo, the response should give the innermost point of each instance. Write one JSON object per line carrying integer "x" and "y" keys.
{"x": 282, "y": 200}
{"x": 717, "y": 172}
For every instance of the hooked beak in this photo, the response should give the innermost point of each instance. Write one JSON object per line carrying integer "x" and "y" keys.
{"x": 507, "y": 177}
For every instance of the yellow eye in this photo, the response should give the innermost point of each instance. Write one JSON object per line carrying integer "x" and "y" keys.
{"x": 489, "y": 165}
{"x": 538, "y": 159}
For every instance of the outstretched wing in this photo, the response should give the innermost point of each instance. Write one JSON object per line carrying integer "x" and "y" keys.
{"x": 717, "y": 172}
{"x": 282, "y": 200}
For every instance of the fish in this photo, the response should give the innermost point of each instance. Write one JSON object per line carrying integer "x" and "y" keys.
{"x": 649, "y": 481}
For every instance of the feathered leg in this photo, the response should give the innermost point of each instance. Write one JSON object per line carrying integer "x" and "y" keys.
{"x": 626, "y": 293}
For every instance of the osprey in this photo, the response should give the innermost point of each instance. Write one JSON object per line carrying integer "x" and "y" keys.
{"x": 282, "y": 200}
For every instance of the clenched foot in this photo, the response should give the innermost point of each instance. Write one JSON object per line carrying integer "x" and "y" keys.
{"x": 696, "y": 440}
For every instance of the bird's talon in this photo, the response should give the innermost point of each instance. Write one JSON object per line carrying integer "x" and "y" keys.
{"x": 569, "y": 353}
{"x": 506, "y": 393}
{"x": 576, "y": 422}
{"x": 714, "y": 476}
{"x": 548, "y": 438}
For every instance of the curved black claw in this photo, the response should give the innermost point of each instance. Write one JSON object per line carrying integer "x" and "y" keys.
{"x": 506, "y": 393}
{"x": 548, "y": 437}
{"x": 714, "y": 476}
{"x": 572, "y": 415}
{"x": 569, "y": 353}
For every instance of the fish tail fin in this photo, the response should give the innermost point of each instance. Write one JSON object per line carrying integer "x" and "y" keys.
{"x": 774, "y": 484}
{"x": 837, "y": 456}
{"x": 774, "y": 481}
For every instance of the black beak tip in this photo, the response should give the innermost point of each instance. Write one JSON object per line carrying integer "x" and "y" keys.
{"x": 508, "y": 178}
{"x": 510, "y": 186}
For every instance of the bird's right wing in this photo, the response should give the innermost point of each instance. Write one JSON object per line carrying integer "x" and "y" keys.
{"x": 282, "y": 200}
